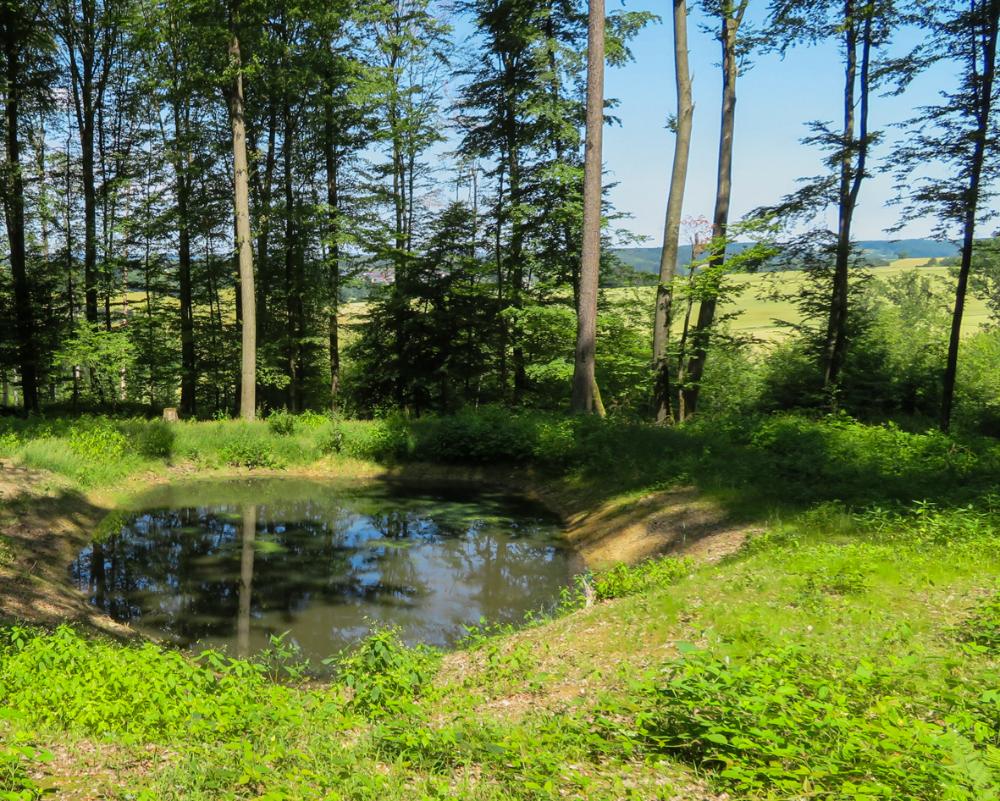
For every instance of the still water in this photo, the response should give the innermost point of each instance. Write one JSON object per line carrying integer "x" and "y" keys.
{"x": 213, "y": 564}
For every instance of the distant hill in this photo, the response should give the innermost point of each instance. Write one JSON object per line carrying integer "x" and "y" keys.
{"x": 647, "y": 260}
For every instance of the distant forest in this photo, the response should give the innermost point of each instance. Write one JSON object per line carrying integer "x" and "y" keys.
{"x": 877, "y": 251}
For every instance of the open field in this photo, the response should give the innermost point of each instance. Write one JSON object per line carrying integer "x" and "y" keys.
{"x": 759, "y": 316}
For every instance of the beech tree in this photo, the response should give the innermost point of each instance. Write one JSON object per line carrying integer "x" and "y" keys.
{"x": 682, "y": 125}
{"x": 729, "y": 16}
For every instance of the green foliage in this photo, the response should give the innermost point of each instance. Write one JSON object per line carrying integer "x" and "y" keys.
{"x": 97, "y": 439}
{"x": 384, "y": 676}
{"x": 151, "y": 439}
{"x": 791, "y": 723}
{"x": 983, "y": 628}
{"x": 107, "y": 357}
{"x": 622, "y": 579}
{"x": 246, "y": 447}
{"x": 133, "y": 693}
{"x": 281, "y": 423}
{"x": 388, "y": 439}
{"x": 18, "y": 756}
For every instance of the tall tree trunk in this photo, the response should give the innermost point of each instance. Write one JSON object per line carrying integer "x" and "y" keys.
{"x": 731, "y": 20}
{"x": 264, "y": 189}
{"x": 852, "y": 173}
{"x": 333, "y": 263}
{"x": 292, "y": 290}
{"x": 984, "y": 110}
{"x": 663, "y": 317}
{"x": 24, "y": 321}
{"x": 189, "y": 374}
{"x": 590, "y": 261}
{"x": 241, "y": 198}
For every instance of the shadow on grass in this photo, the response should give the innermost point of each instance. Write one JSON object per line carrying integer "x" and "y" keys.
{"x": 750, "y": 467}
{"x": 44, "y": 529}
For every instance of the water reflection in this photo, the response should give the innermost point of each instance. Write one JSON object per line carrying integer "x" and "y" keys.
{"x": 230, "y": 564}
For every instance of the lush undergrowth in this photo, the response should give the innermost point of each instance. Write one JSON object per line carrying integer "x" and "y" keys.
{"x": 840, "y": 656}
{"x": 851, "y": 650}
{"x": 760, "y": 463}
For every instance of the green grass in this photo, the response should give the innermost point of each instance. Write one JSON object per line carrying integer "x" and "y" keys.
{"x": 756, "y": 313}
{"x": 839, "y": 656}
{"x": 848, "y": 651}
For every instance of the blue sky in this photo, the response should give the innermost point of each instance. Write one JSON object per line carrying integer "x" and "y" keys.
{"x": 775, "y": 99}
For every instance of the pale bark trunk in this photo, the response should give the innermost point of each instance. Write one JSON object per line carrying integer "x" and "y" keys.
{"x": 590, "y": 261}
{"x": 731, "y": 21}
{"x": 672, "y": 224}
{"x": 248, "y": 374}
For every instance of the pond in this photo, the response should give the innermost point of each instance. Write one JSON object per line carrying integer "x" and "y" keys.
{"x": 228, "y": 564}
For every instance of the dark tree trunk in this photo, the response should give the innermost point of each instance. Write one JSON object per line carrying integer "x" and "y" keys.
{"x": 333, "y": 265}
{"x": 24, "y": 321}
{"x": 984, "y": 103}
{"x": 189, "y": 374}
{"x": 851, "y": 175}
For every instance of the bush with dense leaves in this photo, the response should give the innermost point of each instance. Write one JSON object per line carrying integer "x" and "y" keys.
{"x": 793, "y": 724}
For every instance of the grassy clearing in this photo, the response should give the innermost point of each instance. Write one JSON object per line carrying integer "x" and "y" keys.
{"x": 849, "y": 651}
{"x": 839, "y": 656}
{"x": 756, "y": 311}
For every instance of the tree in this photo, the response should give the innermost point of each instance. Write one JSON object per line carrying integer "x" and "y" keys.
{"x": 729, "y": 16}
{"x": 91, "y": 34}
{"x": 863, "y": 28}
{"x": 682, "y": 125}
{"x": 960, "y": 132}
{"x": 584, "y": 380}
{"x": 26, "y": 45}
{"x": 241, "y": 202}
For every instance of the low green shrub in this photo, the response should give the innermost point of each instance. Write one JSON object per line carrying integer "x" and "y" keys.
{"x": 794, "y": 724}
{"x": 155, "y": 440}
{"x": 135, "y": 693}
{"x": 247, "y": 448}
{"x": 389, "y": 439}
{"x": 97, "y": 439}
{"x": 281, "y": 422}
{"x": 983, "y": 628}
{"x": 332, "y": 440}
{"x": 622, "y": 579}
{"x": 384, "y": 675}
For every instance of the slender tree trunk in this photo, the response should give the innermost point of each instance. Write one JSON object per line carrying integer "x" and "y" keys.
{"x": 24, "y": 321}
{"x": 241, "y": 197}
{"x": 731, "y": 20}
{"x": 590, "y": 261}
{"x": 189, "y": 369}
{"x": 333, "y": 266}
{"x": 984, "y": 111}
{"x": 663, "y": 317}
{"x": 851, "y": 175}
{"x": 291, "y": 284}
{"x": 264, "y": 225}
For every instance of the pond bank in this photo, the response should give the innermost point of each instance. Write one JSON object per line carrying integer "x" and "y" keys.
{"x": 45, "y": 521}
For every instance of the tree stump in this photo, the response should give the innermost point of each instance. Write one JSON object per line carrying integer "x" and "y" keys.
{"x": 170, "y": 414}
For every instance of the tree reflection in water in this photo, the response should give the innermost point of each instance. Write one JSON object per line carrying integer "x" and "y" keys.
{"x": 232, "y": 564}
